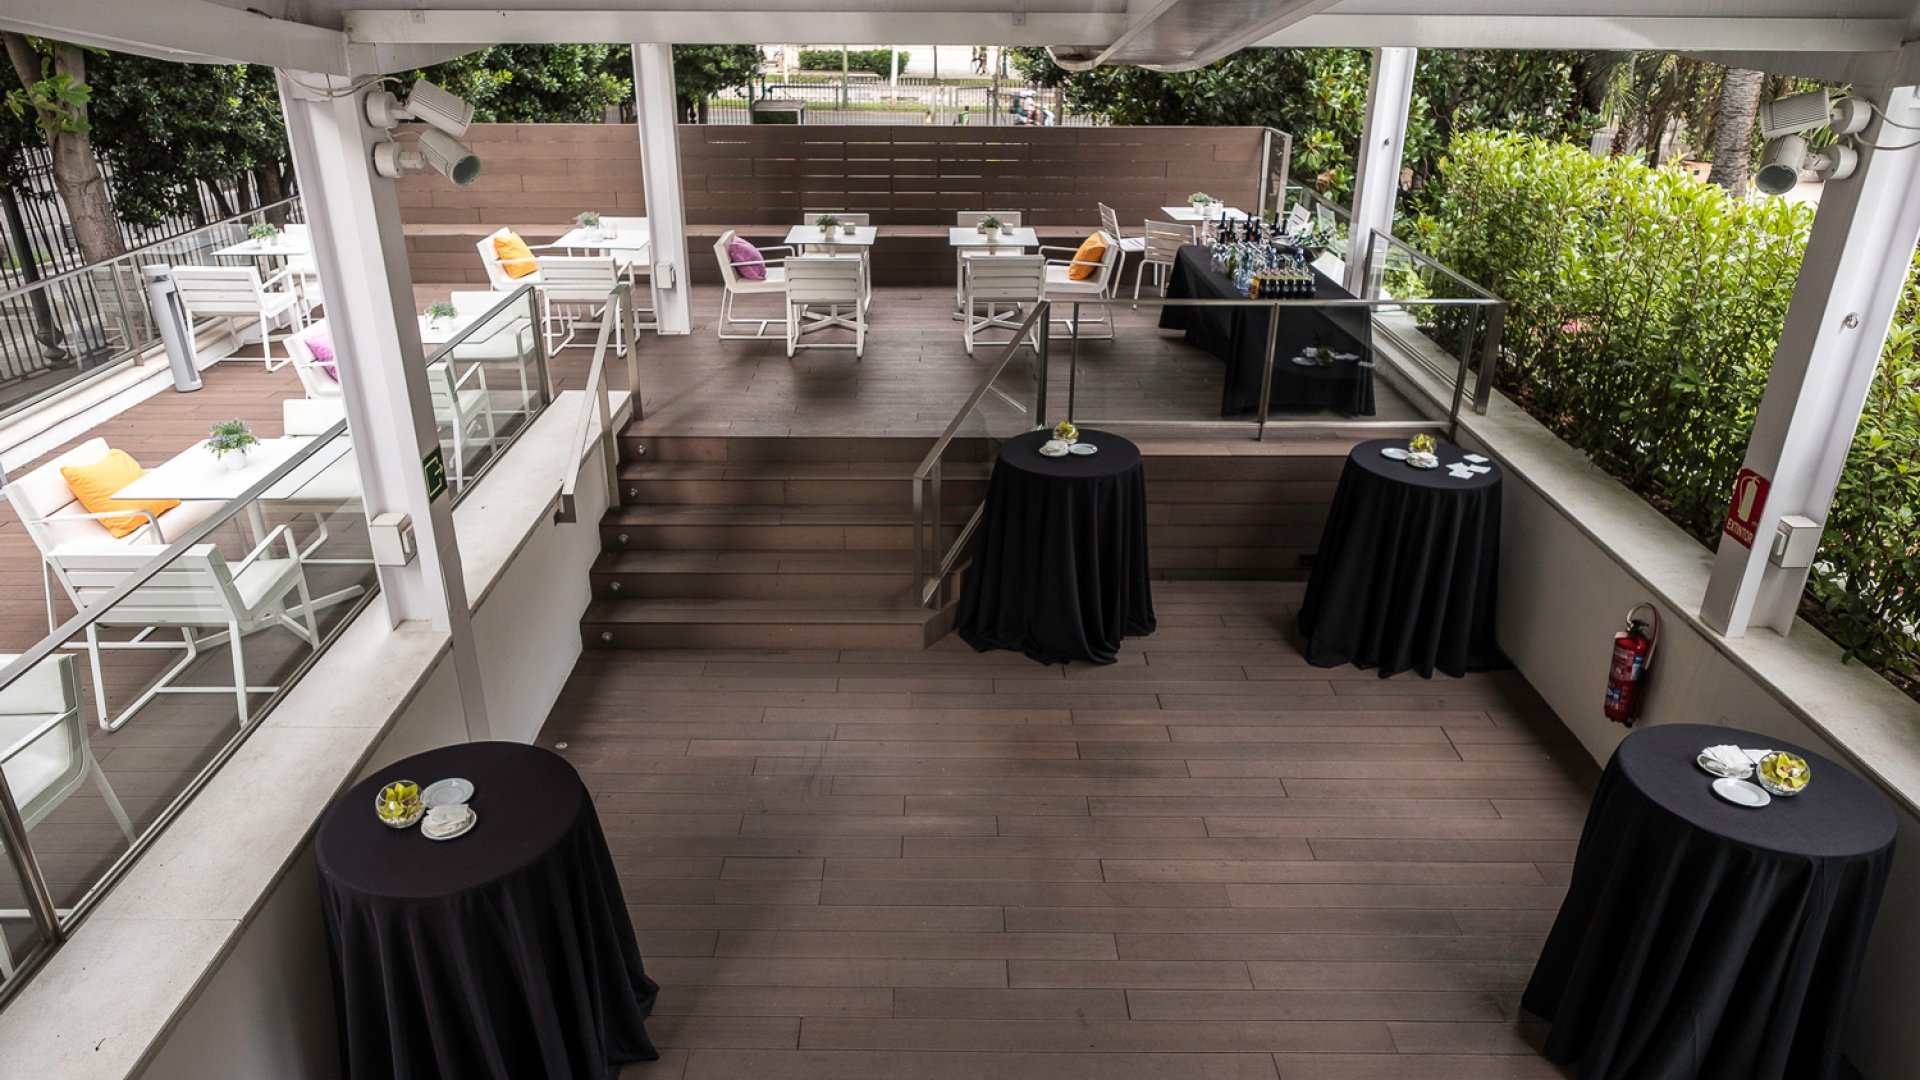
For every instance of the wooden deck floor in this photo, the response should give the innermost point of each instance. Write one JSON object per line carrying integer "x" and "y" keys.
{"x": 1207, "y": 861}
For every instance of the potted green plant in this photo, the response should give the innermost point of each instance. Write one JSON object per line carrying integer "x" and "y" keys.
{"x": 590, "y": 221}
{"x": 1200, "y": 200}
{"x": 990, "y": 224}
{"x": 826, "y": 223}
{"x": 266, "y": 234}
{"x": 231, "y": 441}
{"x": 439, "y": 314}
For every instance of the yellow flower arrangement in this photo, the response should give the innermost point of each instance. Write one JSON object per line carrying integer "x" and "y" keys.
{"x": 1065, "y": 431}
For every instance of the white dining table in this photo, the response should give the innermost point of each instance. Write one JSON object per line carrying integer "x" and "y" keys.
{"x": 630, "y": 242}
{"x": 289, "y": 246}
{"x": 864, "y": 236}
{"x": 195, "y": 475}
{"x": 1213, "y": 212}
{"x": 964, "y": 237}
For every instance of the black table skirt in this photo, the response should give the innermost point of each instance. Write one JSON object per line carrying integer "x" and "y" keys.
{"x": 1060, "y": 573}
{"x": 1407, "y": 566}
{"x": 1238, "y": 336}
{"x": 1702, "y": 939}
{"x": 503, "y": 954}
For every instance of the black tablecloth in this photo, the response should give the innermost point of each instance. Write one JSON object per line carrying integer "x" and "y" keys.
{"x": 504, "y": 954}
{"x": 1238, "y": 336}
{"x": 1404, "y": 579}
{"x": 1061, "y": 570}
{"x": 1703, "y": 939}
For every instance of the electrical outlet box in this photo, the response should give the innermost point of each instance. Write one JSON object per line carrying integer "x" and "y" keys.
{"x": 663, "y": 275}
{"x": 391, "y": 535}
{"x": 1795, "y": 542}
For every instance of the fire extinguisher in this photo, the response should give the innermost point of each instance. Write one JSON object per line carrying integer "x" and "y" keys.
{"x": 1632, "y": 657}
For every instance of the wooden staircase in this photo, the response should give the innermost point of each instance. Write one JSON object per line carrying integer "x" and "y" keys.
{"x": 777, "y": 542}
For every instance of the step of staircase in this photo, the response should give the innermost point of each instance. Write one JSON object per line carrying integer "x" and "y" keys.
{"x": 761, "y": 623}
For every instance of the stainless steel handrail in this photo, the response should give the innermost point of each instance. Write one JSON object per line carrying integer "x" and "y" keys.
{"x": 927, "y": 477}
{"x": 620, "y": 307}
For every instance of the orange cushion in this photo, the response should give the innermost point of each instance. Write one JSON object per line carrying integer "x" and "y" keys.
{"x": 1087, "y": 259}
{"x": 514, "y": 255}
{"x": 95, "y": 484}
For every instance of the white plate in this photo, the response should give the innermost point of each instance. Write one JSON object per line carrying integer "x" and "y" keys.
{"x": 1709, "y": 765}
{"x": 1083, "y": 449}
{"x": 1393, "y": 453}
{"x": 1046, "y": 451}
{"x": 473, "y": 817}
{"x": 1741, "y": 792}
{"x": 454, "y": 789}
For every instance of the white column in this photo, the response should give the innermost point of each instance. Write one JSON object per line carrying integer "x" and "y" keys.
{"x": 354, "y": 217}
{"x": 1843, "y": 303}
{"x": 1376, "y": 176}
{"x": 658, "y": 111}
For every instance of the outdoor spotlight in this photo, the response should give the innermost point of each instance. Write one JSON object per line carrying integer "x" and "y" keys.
{"x": 1803, "y": 112}
{"x": 426, "y": 103}
{"x": 436, "y": 148}
{"x": 1785, "y": 157}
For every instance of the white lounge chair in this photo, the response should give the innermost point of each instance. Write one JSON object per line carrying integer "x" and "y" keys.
{"x": 497, "y": 275}
{"x": 1062, "y": 288}
{"x": 239, "y": 292}
{"x": 313, "y": 378}
{"x": 735, "y": 286}
{"x": 997, "y": 283}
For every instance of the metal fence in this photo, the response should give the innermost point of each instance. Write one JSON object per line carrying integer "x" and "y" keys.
{"x": 855, "y": 99}
{"x": 69, "y": 326}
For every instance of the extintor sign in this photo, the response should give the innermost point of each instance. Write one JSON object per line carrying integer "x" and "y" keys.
{"x": 1743, "y": 514}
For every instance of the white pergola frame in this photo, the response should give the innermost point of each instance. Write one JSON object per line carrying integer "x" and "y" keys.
{"x": 1842, "y": 306}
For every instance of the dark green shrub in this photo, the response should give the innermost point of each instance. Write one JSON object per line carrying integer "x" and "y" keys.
{"x": 878, "y": 61}
{"x": 1645, "y": 310}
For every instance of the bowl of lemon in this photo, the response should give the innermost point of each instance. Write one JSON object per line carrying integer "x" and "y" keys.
{"x": 1783, "y": 774}
{"x": 399, "y": 805}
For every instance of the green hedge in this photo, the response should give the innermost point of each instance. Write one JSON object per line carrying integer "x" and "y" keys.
{"x": 878, "y": 61}
{"x": 1645, "y": 310}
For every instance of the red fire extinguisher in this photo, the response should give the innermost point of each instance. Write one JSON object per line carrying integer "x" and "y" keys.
{"x": 1632, "y": 656}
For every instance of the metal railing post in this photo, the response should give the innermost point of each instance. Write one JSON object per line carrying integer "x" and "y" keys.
{"x": 633, "y": 356}
{"x": 1460, "y": 379}
{"x": 1041, "y": 373}
{"x": 1266, "y": 371}
{"x": 939, "y": 532}
{"x": 1073, "y": 362}
{"x": 919, "y": 543}
{"x": 13, "y": 831}
{"x": 1489, "y": 358}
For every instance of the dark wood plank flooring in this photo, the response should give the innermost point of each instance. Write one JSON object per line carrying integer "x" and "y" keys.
{"x": 1207, "y": 861}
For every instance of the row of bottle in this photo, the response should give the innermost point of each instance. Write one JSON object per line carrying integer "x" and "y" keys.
{"x": 1294, "y": 282}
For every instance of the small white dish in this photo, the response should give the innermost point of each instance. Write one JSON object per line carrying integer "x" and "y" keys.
{"x": 1475, "y": 458}
{"x": 1054, "y": 448}
{"x": 1424, "y": 461}
{"x": 454, "y": 789}
{"x": 1741, "y": 792}
{"x": 1083, "y": 449}
{"x": 473, "y": 816}
{"x": 1394, "y": 453}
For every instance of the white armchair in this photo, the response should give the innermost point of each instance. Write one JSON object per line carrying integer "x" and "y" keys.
{"x": 1164, "y": 241}
{"x": 497, "y": 275}
{"x": 313, "y": 378}
{"x": 1063, "y": 288}
{"x": 833, "y": 282}
{"x": 511, "y": 344}
{"x": 573, "y": 292}
{"x": 1110, "y": 221}
{"x": 197, "y": 590}
{"x": 971, "y": 219}
{"x": 998, "y": 282}
{"x": 736, "y": 286}
{"x": 56, "y": 522}
{"x": 239, "y": 292}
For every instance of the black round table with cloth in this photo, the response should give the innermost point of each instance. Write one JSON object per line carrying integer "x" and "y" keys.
{"x": 1060, "y": 573}
{"x": 1404, "y": 578}
{"x": 503, "y": 954}
{"x": 1703, "y": 939}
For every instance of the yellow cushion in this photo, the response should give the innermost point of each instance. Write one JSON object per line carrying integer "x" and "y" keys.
{"x": 95, "y": 484}
{"x": 514, "y": 255}
{"x": 1087, "y": 259}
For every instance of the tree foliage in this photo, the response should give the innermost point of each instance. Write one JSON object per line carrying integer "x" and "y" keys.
{"x": 702, "y": 71}
{"x": 539, "y": 84}
{"x": 1319, "y": 96}
{"x": 167, "y": 128}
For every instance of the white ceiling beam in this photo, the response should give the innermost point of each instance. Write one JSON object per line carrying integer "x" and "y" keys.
{"x": 746, "y": 27}
{"x": 1140, "y": 15}
{"x": 1666, "y": 34}
{"x": 1232, "y": 39}
{"x": 192, "y": 31}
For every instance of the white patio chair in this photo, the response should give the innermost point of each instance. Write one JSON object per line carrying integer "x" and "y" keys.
{"x": 832, "y": 282}
{"x": 1129, "y": 245}
{"x": 497, "y": 275}
{"x": 239, "y": 292}
{"x": 847, "y": 217}
{"x": 197, "y": 590}
{"x": 995, "y": 282}
{"x": 335, "y": 490}
{"x": 305, "y": 268}
{"x": 461, "y": 403}
{"x": 573, "y": 293}
{"x": 735, "y": 286}
{"x": 45, "y": 752}
{"x": 971, "y": 219}
{"x": 1164, "y": 241}
{"x": 56, "y": 522}
{"x": 313, "y": 378}
{"x": 636, "y": 260}
{"x": 1063, "y": 289}
{"x": 511, "y": 345}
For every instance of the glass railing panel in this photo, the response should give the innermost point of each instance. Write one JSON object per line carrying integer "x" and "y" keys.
{"x": 178, "y": 649}
{"x": 488, "y": 379}
{"x": 28, "y": 711}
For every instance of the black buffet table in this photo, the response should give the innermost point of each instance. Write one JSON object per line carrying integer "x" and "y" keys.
{"x": 1060, "y": 573}
{"x": 1703, "y": 939}
{"x": 1238, "y": 336}
{"x": 505, "y": 953}
{"x": 1404, "y": 578}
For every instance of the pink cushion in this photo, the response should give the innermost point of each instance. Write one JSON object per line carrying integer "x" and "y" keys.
{"x": 746, "y": 260}
{"x": 321, "y": 345}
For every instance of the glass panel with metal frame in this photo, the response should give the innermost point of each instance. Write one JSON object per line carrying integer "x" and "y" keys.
{"x": 487, "y": 378}
{"x": 116, "y": 718}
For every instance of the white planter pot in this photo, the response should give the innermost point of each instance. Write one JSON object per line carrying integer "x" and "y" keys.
{"x": 234, "y": 460}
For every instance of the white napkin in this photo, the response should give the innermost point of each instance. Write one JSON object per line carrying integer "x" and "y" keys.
{"x": 1460, "y": 472}
{"x": 1475, "y": 458}
{"x": 1480, "y": 468}
{"x": 1054, "y": 446}
{"x": 1728, "y": 757}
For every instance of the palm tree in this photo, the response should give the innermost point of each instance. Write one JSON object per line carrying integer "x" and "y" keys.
{"x": 1733, "y": 129}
